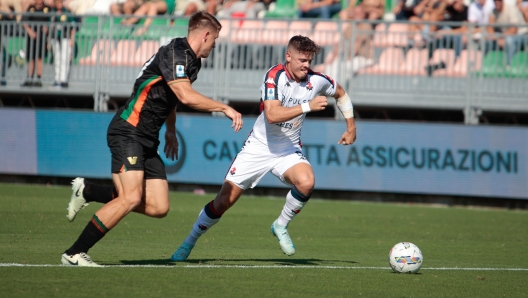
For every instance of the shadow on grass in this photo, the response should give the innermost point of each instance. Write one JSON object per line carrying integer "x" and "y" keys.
{"x": 242, "y": 262}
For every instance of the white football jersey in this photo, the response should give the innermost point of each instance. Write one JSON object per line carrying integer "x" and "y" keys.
{"x": 282, "y": 138}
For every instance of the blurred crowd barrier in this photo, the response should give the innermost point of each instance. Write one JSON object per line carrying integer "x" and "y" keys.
{"x": 392, "y": 64}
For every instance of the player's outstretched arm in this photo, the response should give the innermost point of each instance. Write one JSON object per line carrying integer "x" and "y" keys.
{"x": 344, "y": 104}
{"x": 193, "y": 99}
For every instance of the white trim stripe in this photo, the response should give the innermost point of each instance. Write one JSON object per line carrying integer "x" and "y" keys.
{"x": 267, "y": 267}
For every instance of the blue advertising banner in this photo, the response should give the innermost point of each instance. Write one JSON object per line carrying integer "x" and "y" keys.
{"x": 18, "y": 146}
{"x": 387, "y": 157}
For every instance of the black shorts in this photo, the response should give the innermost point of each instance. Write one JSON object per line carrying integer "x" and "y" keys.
{"x": 35, "y": 48}
{"x": 130, "y": 155}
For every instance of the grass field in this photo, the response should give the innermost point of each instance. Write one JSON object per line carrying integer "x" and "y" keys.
{"x": 342, "y": 250}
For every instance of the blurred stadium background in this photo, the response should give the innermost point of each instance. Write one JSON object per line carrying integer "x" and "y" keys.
{"x": 441, "y": 119}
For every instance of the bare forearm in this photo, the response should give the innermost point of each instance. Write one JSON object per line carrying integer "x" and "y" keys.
{"x": 171, "y": 121}
{"x": 351, "y": 124}
{"x": 279, "y": 114}
{"x": 197, "y": 101}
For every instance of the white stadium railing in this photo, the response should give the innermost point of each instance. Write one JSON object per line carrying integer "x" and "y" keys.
{"x": 380, "y": 64}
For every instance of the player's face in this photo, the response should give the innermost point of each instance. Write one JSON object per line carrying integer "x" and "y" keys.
{"x": 209, "y": 43}
{"x": 298, "y": 63}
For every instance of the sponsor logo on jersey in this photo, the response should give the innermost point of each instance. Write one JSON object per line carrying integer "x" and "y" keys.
{"x": 271, "y": 94}
{"x": 270, "y": 81}
{"x": 297, "y": 122}
{"x": 132, "y": 160}
{"x": 180, "y": 71}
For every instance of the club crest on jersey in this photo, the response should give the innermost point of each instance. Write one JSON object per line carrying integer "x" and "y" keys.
{"x": 271, "y": 94}
{"x": 309, "y": 86}
{"x": 180, "y": 71}
{"x": 233, "y": 170}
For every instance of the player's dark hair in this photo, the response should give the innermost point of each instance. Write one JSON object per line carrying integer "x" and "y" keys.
{"x": 304, "y": 44}
{"x": 202, "y": 19}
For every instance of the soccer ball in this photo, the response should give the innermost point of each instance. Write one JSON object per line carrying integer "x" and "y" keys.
{"x": 405, "y": 257}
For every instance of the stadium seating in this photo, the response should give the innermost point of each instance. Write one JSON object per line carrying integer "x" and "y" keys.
{"x": 395, "y": 35}
{"x": 274, "y": 33}
{"x": 89, "y": 27}
{"x": 493, "y": 64}
{"x": 15, "y": 44}
{"x": 283, "y": 9}
{"x": 326, "y": 33}
{"x": 146, "y": 49}
{"x": 180, "y": 27}
{"x": 113, "y": 28}
{"x": 390, "y": 62}
{"x": 300, "y": 28}
{"x": 519, "y": 65}
{"x": 415, "y": 62}
{"x": 466, "y": 60}
{"x": 125, "y": 50}
{"x": 101, "y": 53}
{"x": 84, "y": 49}
{"x": 445, "y": 57}
{"x": 157, "y": 29}
{"x": 228, "y": 28}
{"x": 250, "y": 32}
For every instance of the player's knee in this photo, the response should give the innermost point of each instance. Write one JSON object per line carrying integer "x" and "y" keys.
{"x": 160, "y": 212}
{"x": 305, "y": 184}
{"x": 131, "y": 200}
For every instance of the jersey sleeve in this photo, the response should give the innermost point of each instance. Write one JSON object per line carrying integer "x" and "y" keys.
{"x": 270, "y": 88}
{"x": 172, "y": 64}
{"x": 327, "y": 85}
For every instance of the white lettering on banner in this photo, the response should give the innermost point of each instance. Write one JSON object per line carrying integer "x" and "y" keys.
{"x": 465, "y": 160}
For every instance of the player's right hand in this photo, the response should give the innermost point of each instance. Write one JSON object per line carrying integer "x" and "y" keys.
{"x": 318, "y": 104}
{"x": 236, "y": 117}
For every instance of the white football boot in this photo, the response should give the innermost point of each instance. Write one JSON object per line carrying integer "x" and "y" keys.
{"x": 285, "y": 242}
{"x": 77, "y": 201}
{"x": 80, "y": 259}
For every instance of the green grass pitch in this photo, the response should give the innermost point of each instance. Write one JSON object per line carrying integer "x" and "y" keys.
{"x": 342, "y": 250}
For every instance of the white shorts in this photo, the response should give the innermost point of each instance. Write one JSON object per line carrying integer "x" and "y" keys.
{"x": 250, "y": 166}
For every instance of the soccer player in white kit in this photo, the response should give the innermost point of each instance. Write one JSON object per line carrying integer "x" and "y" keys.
{"x": 289, "y": 91}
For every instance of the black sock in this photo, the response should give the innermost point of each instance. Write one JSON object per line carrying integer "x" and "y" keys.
{"x": 92, "y": 233}
{"x": 98, "y": 193}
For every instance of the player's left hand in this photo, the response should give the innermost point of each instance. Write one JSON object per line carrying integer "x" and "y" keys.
{"x": 236, "y": 117}
{"x": 171, "y": 145}
{"x": 348, "y": 137}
